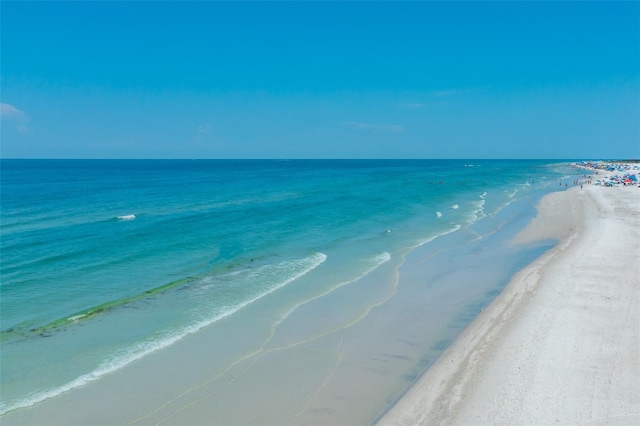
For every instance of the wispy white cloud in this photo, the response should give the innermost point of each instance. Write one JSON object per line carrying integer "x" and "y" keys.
{"x": 374, "y": 126}
{"x": 19, "y": 118}
{"x": 202, "y": 130}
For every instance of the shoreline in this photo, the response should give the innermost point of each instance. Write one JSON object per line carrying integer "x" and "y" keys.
{"x": 542, "y": 342}
{"x": 387, "y": 338}
{"x": 394, "y": 331}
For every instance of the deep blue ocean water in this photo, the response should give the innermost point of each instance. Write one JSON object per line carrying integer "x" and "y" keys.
{"x": 104, "y": 262}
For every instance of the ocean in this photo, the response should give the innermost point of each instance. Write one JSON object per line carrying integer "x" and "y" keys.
{"x": 337, "y": 282}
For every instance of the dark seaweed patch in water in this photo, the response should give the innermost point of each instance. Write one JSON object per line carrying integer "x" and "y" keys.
{"x": 27, "y": 330}
{"x": 441, "y": 345}
{"x": 31, "y": 330}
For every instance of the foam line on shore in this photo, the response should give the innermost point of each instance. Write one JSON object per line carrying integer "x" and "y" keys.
{"x": 146, "y": 348}
{"x": 563, "y": 329}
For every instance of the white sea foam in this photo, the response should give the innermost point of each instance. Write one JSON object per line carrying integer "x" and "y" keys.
{"x": 145, "y": 348}
{"x": 439, "y": 214}
{"x": 377, "y": 261}
{"x": 261, "y": 274}
{"x": 75, "y": 318}
{"x": 511, "y": 200}
{"x": 383, "y": 257}
{"x": 478, "y": 213}
{"x": 127, "y": 217}
{"x": 448, "y": 231}
{"x": 455, "y": 206}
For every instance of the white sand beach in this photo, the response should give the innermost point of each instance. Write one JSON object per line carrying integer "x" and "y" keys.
{"x": 561, "y": 344}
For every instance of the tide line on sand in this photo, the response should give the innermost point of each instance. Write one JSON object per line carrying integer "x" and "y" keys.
{"x": 563, "y": 335}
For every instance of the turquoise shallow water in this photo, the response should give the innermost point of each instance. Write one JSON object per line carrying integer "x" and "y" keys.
{"x": 107, "y": 261}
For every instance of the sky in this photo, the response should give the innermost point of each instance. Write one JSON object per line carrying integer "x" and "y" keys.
{"x": 548, "y": 80}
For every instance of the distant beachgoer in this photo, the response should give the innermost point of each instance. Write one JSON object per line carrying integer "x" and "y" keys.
{"x": 580, "y": 186}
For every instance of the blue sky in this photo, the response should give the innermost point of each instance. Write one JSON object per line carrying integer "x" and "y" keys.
{"x": 320, "y": 80}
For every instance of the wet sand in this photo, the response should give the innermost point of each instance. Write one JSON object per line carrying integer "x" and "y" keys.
{"x": 561, "y": 344}
{"x": 563, "y": 335}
